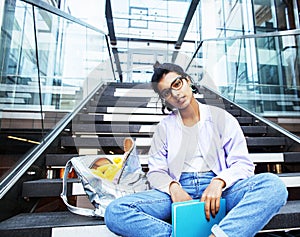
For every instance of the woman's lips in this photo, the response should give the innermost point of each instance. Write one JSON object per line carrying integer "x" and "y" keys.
{"x": 181, "y": 100}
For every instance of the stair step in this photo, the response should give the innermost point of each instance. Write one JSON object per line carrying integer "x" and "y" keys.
{"x": 128, "y": 85}
{"x": 121, "y": 118}
{"x": 134, "y": 92}
{"x": 53, "y": 224}
{"x": 103, "y": 117}
{"x": 287, "y": 218}
{"x": 53, "y": 187}
{"x": 88, "y": 142}
{"x": 60, "y": 160}
{"x": 245, "y": 120}
{"x": 265, "y": 141}
{"x": 133, "y": 103}
{"x": 125, "y": 110}
{"x": 292, "y": 157}
{"x": 47, "y": 187}
{"x": 57, "y": 224}
{"x": 247, "y": 130}
{"x": 138, "y": 102}
{"x": 123, "y": 98}
{"x": 141, "y": 129}
{"x": 142, "y": 101}
{"x": 113, "y": 128}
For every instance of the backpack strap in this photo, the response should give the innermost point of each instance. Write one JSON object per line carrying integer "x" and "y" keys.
{"x": 63, "y": 195}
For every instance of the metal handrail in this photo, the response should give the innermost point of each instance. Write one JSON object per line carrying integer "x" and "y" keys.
{"x": 260, "y": 118}
{"x": 250, "y": 36}
{"x": 22, "y": 166}
{"x": 42, "y": 5}
{"x": 8, "y": 181}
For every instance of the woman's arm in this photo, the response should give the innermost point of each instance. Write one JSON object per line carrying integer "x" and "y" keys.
{"x": 158, "y": 174}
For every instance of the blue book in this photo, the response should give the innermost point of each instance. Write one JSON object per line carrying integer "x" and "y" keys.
{"x": 188, "y": 219}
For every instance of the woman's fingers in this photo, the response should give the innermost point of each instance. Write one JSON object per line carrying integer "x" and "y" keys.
{"x": 212, "y": 196}
{"x": 207, "y": 209}
{"x": 212, "y": 206}
{"x": 215, "y": 206}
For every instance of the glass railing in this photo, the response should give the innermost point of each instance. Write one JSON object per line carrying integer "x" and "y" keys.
{"x": 50, "y": 62}
{"x": 258, "y": 72}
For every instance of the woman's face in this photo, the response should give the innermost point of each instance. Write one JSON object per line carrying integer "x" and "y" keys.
{"x": 176, "y": 90}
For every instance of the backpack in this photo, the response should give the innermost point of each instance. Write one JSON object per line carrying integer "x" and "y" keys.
{"x": 105, "y": 178}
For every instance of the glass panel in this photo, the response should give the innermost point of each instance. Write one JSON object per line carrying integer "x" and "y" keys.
{"x": 19, "y": 89}
{"x": 223, "y": 18}
{"x": 273, "y": 15}
{"x": 149, "y": 19}
{"x": 146, "y": 31}
{"x": 39, "y": 87}
{"x": 259, "y": 73}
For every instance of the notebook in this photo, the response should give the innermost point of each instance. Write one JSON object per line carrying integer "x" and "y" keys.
{"x": 188, "y": 219}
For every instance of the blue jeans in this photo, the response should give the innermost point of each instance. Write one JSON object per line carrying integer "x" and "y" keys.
{"x": 250, "y": 204}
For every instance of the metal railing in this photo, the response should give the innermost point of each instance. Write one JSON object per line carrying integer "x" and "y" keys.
{"x": 52, "y": 63}
{"x": 259, "y": 72}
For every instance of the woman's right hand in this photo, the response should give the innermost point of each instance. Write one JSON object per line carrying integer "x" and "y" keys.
{"x": 178, "y": 194}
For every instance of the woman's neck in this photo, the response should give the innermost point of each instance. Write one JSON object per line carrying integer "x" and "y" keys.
{"x": 191, "y": 114}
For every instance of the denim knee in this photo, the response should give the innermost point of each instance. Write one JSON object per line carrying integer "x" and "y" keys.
{"x": 111, "y": 212}
{"x": 276, "y": 189}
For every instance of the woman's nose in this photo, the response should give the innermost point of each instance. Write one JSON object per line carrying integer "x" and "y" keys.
{"x": 176, "y": 93}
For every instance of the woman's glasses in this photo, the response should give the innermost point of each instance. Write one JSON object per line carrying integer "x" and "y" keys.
{"x": 175, "y": 85}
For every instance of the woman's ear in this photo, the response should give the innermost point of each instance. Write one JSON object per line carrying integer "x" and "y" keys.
{"x": 189, "y": 81}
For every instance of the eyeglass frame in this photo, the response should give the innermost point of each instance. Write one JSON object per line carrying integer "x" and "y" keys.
{"x": 170, "y": 89}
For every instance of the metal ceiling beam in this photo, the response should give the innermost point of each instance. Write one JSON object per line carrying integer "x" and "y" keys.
{"x": 185, "y": 26}
{"x": 146, "y": 40}
{"x": 112, "y": 37}
{"x": 186, "y": 23}
{"x": 110, "y": 23}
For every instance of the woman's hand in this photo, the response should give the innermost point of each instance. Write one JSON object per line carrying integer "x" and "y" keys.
{"x": 211, "y": 196}
{"x": 178, "y": 194}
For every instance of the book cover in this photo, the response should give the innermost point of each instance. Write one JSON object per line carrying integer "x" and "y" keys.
{"x": 188, "y": 219}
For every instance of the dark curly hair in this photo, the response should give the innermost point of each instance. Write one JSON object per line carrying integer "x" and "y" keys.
{"x": 162, "y": 69}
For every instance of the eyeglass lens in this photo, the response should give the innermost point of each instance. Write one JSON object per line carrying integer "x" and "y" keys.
{"x": 175, "y": 85}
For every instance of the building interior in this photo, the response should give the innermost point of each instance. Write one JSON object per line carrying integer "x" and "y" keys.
{"x": 75, "y": 80}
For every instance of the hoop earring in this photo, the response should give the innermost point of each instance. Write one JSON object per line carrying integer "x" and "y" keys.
{"x": 194, "y": 89}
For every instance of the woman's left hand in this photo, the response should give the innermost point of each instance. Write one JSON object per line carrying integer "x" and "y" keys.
{"x": 211, "y": 196}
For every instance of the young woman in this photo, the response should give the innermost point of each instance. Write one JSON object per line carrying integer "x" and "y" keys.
{"x": 198, "y": 152}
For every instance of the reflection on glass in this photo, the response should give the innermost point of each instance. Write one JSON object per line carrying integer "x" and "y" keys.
{"x": 48, "y": 66}
{"x": 261, "y": 74}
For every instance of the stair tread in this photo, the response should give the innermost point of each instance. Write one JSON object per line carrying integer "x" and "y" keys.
{"x": 279, "y": 157}
{"x": 53, "y": 187}
{"x": 146, "y": 141}
{"x": 46, "y": 187}
{"x": 141, "y": 118}
{"x": 288, "y": 217}
{"x": 48, "y": 219}
{"x": 139, "y": 128}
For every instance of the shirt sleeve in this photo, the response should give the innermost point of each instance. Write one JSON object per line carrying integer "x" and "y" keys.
{"x": 239, "y": 164}
{"x": 158, "y": 174}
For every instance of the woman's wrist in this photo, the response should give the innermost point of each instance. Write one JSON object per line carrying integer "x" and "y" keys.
{"x": 174, "y": 186}
{"x": 221, "y": 181}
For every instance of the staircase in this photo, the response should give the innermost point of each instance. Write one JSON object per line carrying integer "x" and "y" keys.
{"x": 119, "y": 110}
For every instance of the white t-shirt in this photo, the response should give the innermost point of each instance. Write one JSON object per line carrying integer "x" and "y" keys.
{"x": 194, "y": 161}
